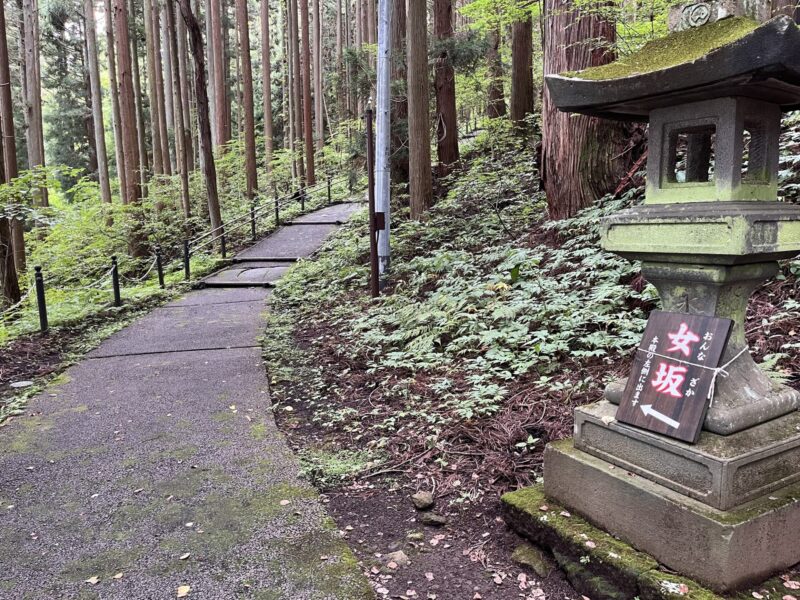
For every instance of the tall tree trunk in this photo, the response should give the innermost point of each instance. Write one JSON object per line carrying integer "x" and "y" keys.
{"x": 445, "y": 85}
{"x": 222, "y": 125}
{"x": 496, "y": 101}
{"x": 114, "y": 92}
{"x": 297, "y": 79}
{"x": 289, "y": 80}
{"x": 88, "y": 114}
{"x": 204, "y": 123}
{"x": 167, "y": 58}
{"x": 308, "y": 132}
{"x": 251, "y": 177}
{"x": 266, "y": 78}
{"x": 137, "y": 98}
{"x": 399, "y": 120}
{"x": 319, "y": 114}
{"x": 127, "y": 110}
{"x": 522, "y": 91}
{"x": 160, "y": 90}
{"x": 181, "y": 158}
{"x": 419, "y": 143}
{"x": 186, "y": 105}
{"x": 582, "y": 157}
{"x": 33, "y": 100}
{"x": 9, "y": 284}
{"x": 152, "y": 85}
{"x": 212, "y": 82}
{"x": 9, "y": 145}
{"x": 97, "y": 101}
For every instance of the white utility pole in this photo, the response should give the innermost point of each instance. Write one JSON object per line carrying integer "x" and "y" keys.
{"x": 383, "y": 130}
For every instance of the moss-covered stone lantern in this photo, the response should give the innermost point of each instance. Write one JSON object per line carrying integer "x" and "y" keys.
{"x": 726, "y": 510}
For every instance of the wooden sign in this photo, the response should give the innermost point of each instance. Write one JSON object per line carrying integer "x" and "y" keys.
{"x": 668, "y": 388}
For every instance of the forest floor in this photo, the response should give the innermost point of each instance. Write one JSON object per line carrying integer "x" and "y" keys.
{"x": 496, "y": 323}
{"x": 153, "y": 467}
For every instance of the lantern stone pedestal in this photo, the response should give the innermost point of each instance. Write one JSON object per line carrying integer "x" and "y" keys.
{"x": 726, "y": 510}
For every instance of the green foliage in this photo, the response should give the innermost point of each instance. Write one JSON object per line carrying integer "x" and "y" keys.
{"x": 329, "y": 468}
{"x": 477, "y": 300}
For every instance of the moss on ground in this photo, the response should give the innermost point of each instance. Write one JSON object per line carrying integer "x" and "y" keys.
{"x": 672, "y": 50}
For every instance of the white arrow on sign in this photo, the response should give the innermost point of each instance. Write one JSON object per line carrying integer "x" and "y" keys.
{"x": 648, "y": 410}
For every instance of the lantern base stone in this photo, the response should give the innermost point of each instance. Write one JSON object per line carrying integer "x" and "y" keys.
{"x": 724, "y": 550}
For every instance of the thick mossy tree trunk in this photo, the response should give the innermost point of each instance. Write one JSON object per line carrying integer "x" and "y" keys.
{"x": 583, "y": 158}
{"x": 445, "y": 85}
{"x": 248, "y": 122}
{"x": 496, "y": 101}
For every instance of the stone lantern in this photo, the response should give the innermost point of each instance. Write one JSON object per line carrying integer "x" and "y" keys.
{"x": 726, "y": 510}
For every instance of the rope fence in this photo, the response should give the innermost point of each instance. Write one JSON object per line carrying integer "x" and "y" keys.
{"x": 260, "y": 208}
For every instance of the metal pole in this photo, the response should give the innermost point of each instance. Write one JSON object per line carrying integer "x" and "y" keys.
{"x": 374, "y": 287}
{"x": 115, "y": 281}
{"x": 41, "y": 302}
{"x": 222, "y": 246}
{"x": 383, "y": 133}
{"x": 329, "y": 190}
{"x": 303, "y": 199}
{"x": 277, "y": 213}
{"x": 186, "y": 266}
{"x": 160, "y": 267}
{"x": 253, "y": 221}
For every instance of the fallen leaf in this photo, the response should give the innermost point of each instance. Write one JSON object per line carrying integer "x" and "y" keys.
{"x": 544, "y": 508}
{"x": 185, "y": 556}
{"x": 117, "y": 576}
{"x": 788, "y": 597}
{"x": 564, "y": 513}
{"x": 183, "y": 591}
{"x": 285, "y": 502}
{"x": 590, "y": 544}
{"x": 429, "y": 576}
{"x": 93, "y": 580}
{"x": 792, "y": 585}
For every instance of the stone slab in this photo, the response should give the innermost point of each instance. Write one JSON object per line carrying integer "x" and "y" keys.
{"x": 290, "y": 242}
{"x": 249, "y": 274}
{"x": 334, "y": 212}
{"x": 134, "y": 461}
{"x": 724, "y": 550}
{"x": 721, "y": 471}
{"x": 210, "y": 296}
{"x": 182, "y": 328}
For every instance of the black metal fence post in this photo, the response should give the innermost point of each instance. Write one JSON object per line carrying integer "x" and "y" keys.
{"x": 303, "y": 199}
{"x": 186, "y": 267}
{"x": 160, "y": 267}
{"x": 329, "y": 190}
{"x": 115, "y": 281}
{"x": 277, "y": 213}
{"x": 253, "y": 221}
{"x": 223, "y": 246}
{"x": 41, "y": 302}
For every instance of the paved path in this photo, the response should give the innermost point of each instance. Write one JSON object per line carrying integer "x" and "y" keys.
{"x": 156, "y": 460}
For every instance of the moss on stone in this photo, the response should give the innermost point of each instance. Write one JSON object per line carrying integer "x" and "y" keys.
{"x": 672, "y": 50}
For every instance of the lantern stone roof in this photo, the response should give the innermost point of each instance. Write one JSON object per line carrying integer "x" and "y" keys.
{"x": 734, "y": 56}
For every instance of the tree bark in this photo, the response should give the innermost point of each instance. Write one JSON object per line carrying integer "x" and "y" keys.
{"x": 248, "y": 122}
{"x": 9, "y": 284}
{"x": 522, "y": 90}
{"x": 266, "y": 78}
{"x": 137, "y": 98}
{"x": 419, "y": 143}
{"x": 297, "y": 79}
{"x": 167, "y": 58}
{"x": 152, "y": 84}
{"x": 186, "y": 105}
{"x": 204, "y": 123}
{"x": 9, "y": 145}
{"x": 160, "y": 94}
{"x": 399, "y": 148}
{"x": 33, "y": 100}
{"x": 319, "y": 114}
{"x": 181, "y": 157}
{"x": 222, "y": 125}
{"x": 308, "y": 131}
{"x": 127, "y": 110}
{"x": 582, "y": 157}
{"x": 496, "y": 102}
{"x": 445, "y": 85}
{"x": 97, "y": 101}
{"x": 114, "y": 91}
